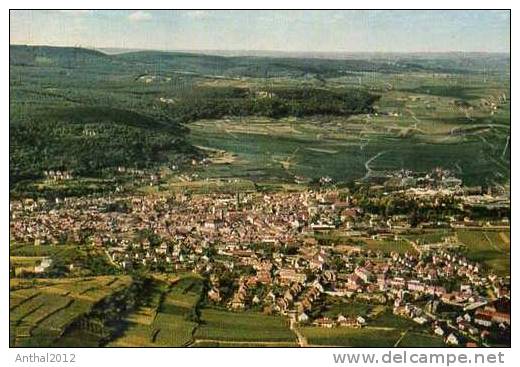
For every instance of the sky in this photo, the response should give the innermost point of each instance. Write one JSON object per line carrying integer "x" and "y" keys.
{"x": 292, "y": 31}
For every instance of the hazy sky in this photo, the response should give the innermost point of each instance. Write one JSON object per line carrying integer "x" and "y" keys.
{"x": 330, "y": 31}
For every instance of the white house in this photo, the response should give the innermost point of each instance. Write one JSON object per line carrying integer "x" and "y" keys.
{"x": 452, "y": 339}
{"x": 361, "y": 320}
{"x": 439, "y": 331}
{"x": 303, "y": 317}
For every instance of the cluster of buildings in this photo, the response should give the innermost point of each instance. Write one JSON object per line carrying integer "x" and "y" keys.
{"x": 266, "y": 252}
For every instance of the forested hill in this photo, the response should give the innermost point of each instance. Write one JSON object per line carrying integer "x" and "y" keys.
{"x": 88, "y": 112}
{"x": 58, "y": 56}
{"x": 253, "y": 66}
{"x": 79, "y": 110}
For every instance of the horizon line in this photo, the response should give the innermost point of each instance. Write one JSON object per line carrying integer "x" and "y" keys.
{"x": 344, "y": 52}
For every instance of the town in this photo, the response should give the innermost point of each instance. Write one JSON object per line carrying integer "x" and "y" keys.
{"x": 295, "y": 253}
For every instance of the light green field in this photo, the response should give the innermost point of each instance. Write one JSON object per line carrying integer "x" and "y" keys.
{"x": 226, "y": 344}
{"x": 221, "y": 325}
{"x": 346, "y": 308}
{"x": 94, "y": 261}
{"x": 420, "y": 340}
{"x": 430, "y": 237}
{"x": 41, "y": 309}
{"x": 387, "y": 246}
{"x": 418, "y": 126}
{"x": 168, "y": 320}
{"x": 492, "y": 248}
{"x": 387, "y": 319}
{"x": 350, "y": 337}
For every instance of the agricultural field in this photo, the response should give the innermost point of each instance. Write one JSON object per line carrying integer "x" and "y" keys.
{"x": 420, "y": 340}
{"x": 167, "y": 318}
{"x": 350, "y": 126}
{"x": 416, "y": 128}
{"x": 350, "y": 337}
{"x": 346, "y": 308}
{"x": 42, "y": 309}
{"x": 24, "y": 264}
{"x": 383, "y": 329}
{"x": 213, "y": 186}
{"x": 387, "y": 246}
{"x": 386, "y": 319}
{"x": 342, "y": 242}
{"x": 169, "y": 324}
{"x": 251, "y": 327}
{"x": 492, "y": 248}
{"x": 67, "y": 260}
{"x": 226, "y": 344}
{"x": 430, "y": 237}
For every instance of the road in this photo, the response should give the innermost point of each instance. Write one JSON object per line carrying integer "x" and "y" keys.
{"x": 302, "y": 341}
{"x": 367, "y": 163}
{"x": 401, "y": 337}
{"x": 110, "y": 259}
